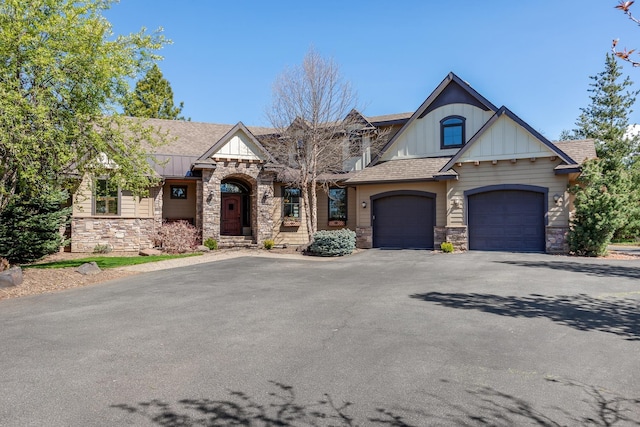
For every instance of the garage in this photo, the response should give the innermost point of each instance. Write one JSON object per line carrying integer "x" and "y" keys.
{"x": 507, "y": 220}
{"x": 403, "y": 219}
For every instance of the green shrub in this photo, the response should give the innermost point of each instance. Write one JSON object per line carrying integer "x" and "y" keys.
{"x": 333, "y": 242}
{"x": 269, "y": 244}
{"x": 30, "y": 226}
{"x": 211, "y": 243}
{"x": 101, "y": 249}
{"x": 446, "y": 247}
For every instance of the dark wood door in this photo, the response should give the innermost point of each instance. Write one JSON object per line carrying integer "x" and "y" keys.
{"x": 231, "y": 224}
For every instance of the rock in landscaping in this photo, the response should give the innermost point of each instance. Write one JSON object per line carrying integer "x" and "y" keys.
{"x": 149, "y": 252}
{"x": 11, "y": 277}
{"x": 202, "y": 248}
{"x": 89, "y": 268}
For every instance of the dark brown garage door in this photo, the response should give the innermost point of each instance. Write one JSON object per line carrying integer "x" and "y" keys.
{"x": 507, "y": 220}
{"x": 403, "y": 221}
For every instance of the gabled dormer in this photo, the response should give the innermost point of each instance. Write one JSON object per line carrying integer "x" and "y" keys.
{"x": 444, "y": 123}
{"x": 239, "y": 144}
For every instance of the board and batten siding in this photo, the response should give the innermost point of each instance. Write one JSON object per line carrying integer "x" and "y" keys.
{"x": 422, "y": 137}
{"x": 130, "y": 205}
{"x": 365, "y": 192}
{"x": 523, "y": 172}
{"x": 239, "y": 146}
{"x": 505, "y": 140}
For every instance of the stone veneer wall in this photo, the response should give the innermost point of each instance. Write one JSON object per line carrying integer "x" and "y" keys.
{"x": 364, "y": 237}
{"x": 458, "y": 236}
{"x": 556, "y": 240}
{"x": 121, "y": 234}
{"x": 262, "y": 199}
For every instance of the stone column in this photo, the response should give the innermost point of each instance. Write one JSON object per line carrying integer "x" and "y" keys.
{"x": 364, "y": 237}
{"x": 556, "y": 240}
{"x": 210, "y": 205}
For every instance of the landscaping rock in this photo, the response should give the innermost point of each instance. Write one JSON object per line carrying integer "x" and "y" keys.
{"x": 150, "y": 251}
{"x": 202, "y": 248}
{"x": 89, "y": 268}
{"x": 11, "y": 277}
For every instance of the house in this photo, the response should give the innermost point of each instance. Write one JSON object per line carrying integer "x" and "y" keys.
{"x": 457, "y": 169}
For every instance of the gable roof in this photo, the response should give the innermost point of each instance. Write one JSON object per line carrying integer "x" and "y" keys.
{"x": 508, "y": 113}
{"x": 194, "y": 138}
{"x": 400, "y": 170}
{"x": 580, "y": 150}
{"x": 227, "y": 137}
{"x": 451, "y": 90}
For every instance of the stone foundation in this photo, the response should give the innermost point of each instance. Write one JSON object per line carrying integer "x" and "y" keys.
{"x": 556, "y": 240}
{"x": 457, "y": 236}
{"x": 121, "y": 234}
{"x": 364, "y": 237}
{"x": 439, "y": 236}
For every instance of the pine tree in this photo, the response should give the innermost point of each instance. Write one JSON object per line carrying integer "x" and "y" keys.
{"x": 30, "y": 226}
{"x": 606, "y": 120}
{"x": 153, "y": 98}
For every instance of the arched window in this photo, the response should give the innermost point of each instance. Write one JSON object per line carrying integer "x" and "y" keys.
{"x": 452, "y": 132}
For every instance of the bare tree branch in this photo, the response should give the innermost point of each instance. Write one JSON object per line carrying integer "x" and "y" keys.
{"x": 625, "y": 54}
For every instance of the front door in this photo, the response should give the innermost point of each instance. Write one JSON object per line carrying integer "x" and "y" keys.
{"x": 231, "y": 224}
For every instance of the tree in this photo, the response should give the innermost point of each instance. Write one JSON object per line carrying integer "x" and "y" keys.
{"x": 600, "y": 209}
{"x": 317, "y": 127}
{"x": 153, "y": 98}
{"x": 606, "y": 120}
{"x": 63, "y": 77}
{"x": 30, "y": 226}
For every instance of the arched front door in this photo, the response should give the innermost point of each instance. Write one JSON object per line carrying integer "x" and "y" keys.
{"x": 235, "y": 211}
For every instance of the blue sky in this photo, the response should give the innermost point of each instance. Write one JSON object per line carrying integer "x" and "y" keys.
{"x": 535, "y": 57}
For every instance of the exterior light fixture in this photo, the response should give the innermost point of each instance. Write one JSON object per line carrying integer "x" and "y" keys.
{"x": 557, "y": 198}
{"x": 364, "y": 204}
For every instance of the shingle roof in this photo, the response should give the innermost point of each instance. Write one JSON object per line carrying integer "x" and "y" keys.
{"x": 389, "y": 118}
{"x": 194, "y": 138}
{"x": 578, "y": 150}
{"x": 400, "y": 170}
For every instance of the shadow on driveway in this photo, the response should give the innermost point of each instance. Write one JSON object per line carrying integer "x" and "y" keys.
{"x": 486, "y": 406}
{"x": 599, "y": 270}
{"x": 583, "y": 312}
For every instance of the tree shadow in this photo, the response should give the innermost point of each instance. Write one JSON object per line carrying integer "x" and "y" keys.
{"x": 240, "y": 409}
{"x": 599, "y": 270}
{"x": 484, "y": 406}
{"x": 490, "y": 407}
{"x": 583, "y": 312}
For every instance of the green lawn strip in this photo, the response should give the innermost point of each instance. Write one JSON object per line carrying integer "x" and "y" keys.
{"x": 109, "y": 262}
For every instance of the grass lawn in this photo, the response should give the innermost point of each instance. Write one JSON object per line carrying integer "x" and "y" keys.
{"x": 109, "y": 262}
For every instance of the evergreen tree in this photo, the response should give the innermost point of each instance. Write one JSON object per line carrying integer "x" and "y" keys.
{"x": 606, "y": 120}
{"x": 153, "y": 98}
{"x": 30, "y": 226}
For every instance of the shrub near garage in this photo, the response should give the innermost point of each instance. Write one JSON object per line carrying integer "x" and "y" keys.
{"x": 333, "y": 242}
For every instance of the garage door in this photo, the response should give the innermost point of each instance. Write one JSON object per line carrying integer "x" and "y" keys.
{"x": 507, "y": 220}
{"x": 403, "y": 221}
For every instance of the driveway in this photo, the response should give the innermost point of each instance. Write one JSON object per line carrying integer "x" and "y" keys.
{"x": 395, "y": 338}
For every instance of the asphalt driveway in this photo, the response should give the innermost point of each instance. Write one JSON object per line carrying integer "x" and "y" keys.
{"x": 390, "y": 338}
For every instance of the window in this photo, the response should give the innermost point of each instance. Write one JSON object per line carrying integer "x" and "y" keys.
{"x": 291, "y": 202}
{"x": 106, "y": 197}
{"x": 178, "y": 191}
{"x": 452, "y": 132}
{"x": 337, "y": 204}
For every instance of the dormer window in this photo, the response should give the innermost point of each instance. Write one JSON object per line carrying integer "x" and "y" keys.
{"x": 452, "y": 132}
